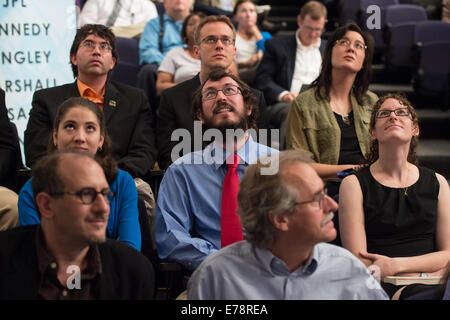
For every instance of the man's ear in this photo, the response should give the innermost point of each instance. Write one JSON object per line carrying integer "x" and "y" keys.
{"x": 196, "y": 50}
{"x": 44, "y": 205}
{"x": 299, "y": 21}
{"x": 73, "y": 59}
{"x": 55, "y": 136}
{"x": 279, "y": 221}
{"x": 113, "y": 63}
{"x": 200, "y": 116}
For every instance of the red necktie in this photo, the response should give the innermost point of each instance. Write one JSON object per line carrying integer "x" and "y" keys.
{"x": 231, "y": 228}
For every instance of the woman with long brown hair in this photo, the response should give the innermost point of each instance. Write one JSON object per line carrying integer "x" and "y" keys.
{"x": 331, "y": 119}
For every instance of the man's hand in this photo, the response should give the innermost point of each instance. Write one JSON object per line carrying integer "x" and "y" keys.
{"x": 289, "y": 97}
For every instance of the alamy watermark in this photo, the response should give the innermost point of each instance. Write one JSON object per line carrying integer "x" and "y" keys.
{"x": 187, "y": 141}
{"x": 374, "y": 20}
{"x": 373, "y": 282}
{"x": 73, "y": 281}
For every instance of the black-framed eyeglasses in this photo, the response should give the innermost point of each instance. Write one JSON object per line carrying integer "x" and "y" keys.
{"x": 400, "y": 112}
{"x": 346, "y": 43}
{"x": 211, "y": 40}
{"x": 90, "y": 46}
{"x": 317, "y": 198}
{"x": 211, "y": 93}
{"x": 88, "y": 195}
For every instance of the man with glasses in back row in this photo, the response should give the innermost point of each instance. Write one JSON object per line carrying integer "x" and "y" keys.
{"x": 67, "y": 256}
{"x": 129, "y": 122}
{"x": 289, "y": 63}
{"x": 215, "y": 45}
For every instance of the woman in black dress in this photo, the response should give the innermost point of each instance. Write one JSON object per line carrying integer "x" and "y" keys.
{"x": 395, "y": 215}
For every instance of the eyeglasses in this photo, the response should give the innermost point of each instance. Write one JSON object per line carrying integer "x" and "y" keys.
{"x": 211, "y": 93}
{"x": 317, "y": 198}
{"x": 401, "y": 112}
{"x": 210, "y": 41}
{"x": 90, "y": 46}
{"x": 88, "y": 195}
{"x": 311, "y": 29}
{"x": 346, "y": 43}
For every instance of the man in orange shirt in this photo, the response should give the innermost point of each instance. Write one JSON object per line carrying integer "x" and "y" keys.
{"x": 129, "y": 122}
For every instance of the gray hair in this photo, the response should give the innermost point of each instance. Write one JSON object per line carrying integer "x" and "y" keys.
{"x": 261, "y": 195}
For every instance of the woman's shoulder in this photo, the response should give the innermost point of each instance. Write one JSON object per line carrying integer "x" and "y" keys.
{"x": 175, "y": 52}
{"x": 308, "y": 100}
{"x": 27, "y": 188}
{"x": 266, "y": 35}
{"x": 123, "y": 179}
{"x": 370, "y": 97}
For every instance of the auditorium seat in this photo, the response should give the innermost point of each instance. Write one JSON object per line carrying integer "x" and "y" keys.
{"x": 431, "y": 60}
{"x": 375, "y": 32}
{"x": 398, "y": 34}
{"x": 127, "y": 68}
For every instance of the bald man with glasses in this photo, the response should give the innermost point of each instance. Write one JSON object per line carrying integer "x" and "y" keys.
{"x": 67, "y": 256}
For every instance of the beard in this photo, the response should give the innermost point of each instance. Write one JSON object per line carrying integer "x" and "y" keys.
{"x": 227, "y": 124}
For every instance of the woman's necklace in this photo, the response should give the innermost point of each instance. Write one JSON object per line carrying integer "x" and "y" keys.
{"x": 405, "y": 190}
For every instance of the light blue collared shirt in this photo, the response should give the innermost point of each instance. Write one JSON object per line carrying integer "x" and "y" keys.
{"x": 243, "y": 271}
{"x": 149, "y": 51}
{"x": 187, "y": 225}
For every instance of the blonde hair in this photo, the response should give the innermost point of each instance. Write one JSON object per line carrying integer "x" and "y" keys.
{"x": 314, "y": 9}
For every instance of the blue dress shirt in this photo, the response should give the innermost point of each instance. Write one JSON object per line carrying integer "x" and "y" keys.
{"x": 123, "y": 220}
{"x": 187, "y": 225}
{"x": 243, "y": 271}
{"x": 149, "y": 51}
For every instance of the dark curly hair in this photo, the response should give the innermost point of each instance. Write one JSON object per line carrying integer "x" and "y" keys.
{"x": 373, "y": 154}
{"x": 98, "y": 30}
{"x": 103, "y": 155}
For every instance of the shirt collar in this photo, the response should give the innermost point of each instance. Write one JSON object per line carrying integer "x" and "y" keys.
{"x": 89, "y": 93}
{"x": 46, "y": 260}
{"x": 303, "y": 47}
{"x": 166, "y": 17}
{"x": 276, "y": 266}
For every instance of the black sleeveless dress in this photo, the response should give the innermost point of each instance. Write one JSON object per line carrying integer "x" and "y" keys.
{"x": 401, "y": 222}
{"x": 399, "y": 225}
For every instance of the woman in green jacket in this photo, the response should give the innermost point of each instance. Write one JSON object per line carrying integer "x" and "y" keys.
{"x": 331, "y": 119}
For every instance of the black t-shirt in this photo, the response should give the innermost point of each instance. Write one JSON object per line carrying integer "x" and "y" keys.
{"x": 350, "y": 152}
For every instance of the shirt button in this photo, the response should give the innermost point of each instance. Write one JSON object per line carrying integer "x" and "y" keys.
{"x": 53, "y": 265}
{"x": 64, "y": 293}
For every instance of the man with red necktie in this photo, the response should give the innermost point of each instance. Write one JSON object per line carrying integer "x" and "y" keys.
{"x": 197, "y": 200}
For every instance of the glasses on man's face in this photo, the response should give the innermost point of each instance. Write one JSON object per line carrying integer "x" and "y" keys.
{"x": 318, "y": 198}
{"x": 211, "y": 40}
{"x": 88, "y": 195}
{"x": 311, "y": 29}
{"x": 90, "y": 45}
{"x": 346, "y": 43}
{"x": 401, "y": 112}
{"x": 211, "y": 93}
